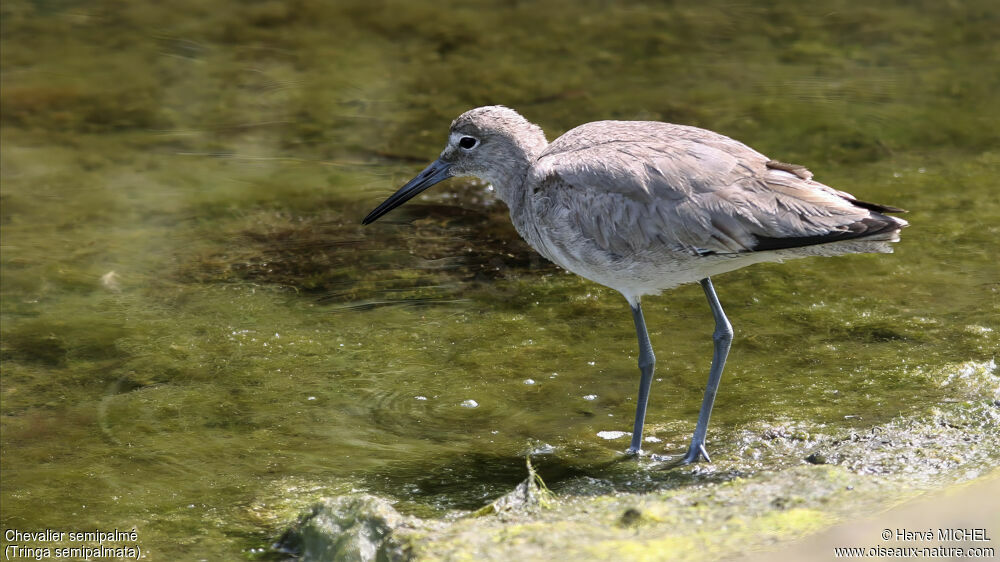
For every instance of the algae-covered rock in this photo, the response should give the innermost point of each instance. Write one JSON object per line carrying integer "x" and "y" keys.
{"x": 722, "y": 510}
{"x": 347, "y": 528}
{"x": 527, "y": 497}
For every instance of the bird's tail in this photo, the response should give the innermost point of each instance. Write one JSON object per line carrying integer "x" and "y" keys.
{"x": 888, "y": 232}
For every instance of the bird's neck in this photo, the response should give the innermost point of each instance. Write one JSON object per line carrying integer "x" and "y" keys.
{"x": 508, "y": 180}
{"x": 511, "y": 187}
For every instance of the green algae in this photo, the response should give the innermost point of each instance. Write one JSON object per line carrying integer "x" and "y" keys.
{"x": 742, "y": 514}
{"x": 199, "y": 339}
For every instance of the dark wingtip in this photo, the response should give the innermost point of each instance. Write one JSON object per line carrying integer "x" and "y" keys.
{"x": 864, "y": 228}
{"x": 877, "y": 207}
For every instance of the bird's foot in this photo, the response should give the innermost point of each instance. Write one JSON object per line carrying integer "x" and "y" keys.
{"x": 639, "y": 453}
{"x": 695, "y": 453}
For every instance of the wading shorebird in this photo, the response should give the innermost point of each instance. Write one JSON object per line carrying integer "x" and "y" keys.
{"x": 644, "y": 206}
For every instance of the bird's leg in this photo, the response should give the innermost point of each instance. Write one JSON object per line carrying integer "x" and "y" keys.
{"x": 723, "y": 337}
{"x": 646, "y": 362}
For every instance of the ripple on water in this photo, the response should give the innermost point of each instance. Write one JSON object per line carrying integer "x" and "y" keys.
{"x": 432, "y": 417}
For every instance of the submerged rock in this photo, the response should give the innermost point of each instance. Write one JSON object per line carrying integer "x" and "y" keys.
{"x": 347, "y": 528}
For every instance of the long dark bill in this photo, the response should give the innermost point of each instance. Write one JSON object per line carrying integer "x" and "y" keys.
{"x": 435, "y": 173}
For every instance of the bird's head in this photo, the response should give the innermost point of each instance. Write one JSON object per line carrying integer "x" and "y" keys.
{"x": 493, "y": 143}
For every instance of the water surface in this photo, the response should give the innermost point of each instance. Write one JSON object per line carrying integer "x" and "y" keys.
{"x": 199, "y": 338}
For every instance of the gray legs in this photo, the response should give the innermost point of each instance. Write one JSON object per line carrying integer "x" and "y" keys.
{"x": 723, "y": 337}
{"x": 646, "y": 363}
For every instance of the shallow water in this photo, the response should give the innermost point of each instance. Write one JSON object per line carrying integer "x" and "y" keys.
{"x": 199, "y": 338}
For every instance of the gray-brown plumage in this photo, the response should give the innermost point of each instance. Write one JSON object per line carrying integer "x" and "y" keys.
{"x": 643, "y": 206}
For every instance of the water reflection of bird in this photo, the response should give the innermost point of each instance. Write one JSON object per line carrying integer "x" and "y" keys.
{"x": 644, "y": 206}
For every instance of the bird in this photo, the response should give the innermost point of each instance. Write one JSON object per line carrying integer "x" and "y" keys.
{"x": 646, "y": 206}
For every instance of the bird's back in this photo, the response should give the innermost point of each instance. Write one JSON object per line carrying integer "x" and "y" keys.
{"x": 649, "y": 198}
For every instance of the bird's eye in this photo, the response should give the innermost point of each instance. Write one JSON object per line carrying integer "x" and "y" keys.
{"x": 467, "y": 142}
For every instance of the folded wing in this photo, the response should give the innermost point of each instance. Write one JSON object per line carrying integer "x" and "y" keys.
{"x": 631, "y": 188}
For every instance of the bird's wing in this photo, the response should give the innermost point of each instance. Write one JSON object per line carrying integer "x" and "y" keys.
{"x": 630, "y": 186}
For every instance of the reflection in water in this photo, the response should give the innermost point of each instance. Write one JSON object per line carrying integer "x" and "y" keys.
{"x": 442, "y": 252}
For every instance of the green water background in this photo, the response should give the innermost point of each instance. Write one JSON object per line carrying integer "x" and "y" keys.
{"x": 198, "y": 338}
